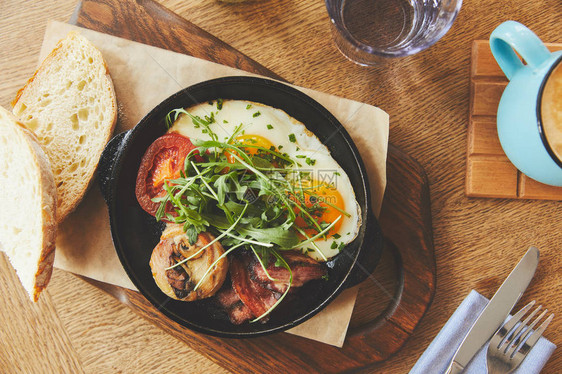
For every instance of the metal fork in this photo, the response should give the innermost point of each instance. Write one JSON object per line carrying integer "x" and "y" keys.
{"x": 514, "y": 340}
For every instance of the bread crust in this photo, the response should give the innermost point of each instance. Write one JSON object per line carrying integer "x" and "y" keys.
{"x": 104, "y": 132}
{"x": 49, "y": 203}
{"x": 47, "y": 192}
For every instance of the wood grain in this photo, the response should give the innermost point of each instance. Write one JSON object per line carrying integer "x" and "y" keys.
{"x": 483, "y": 139}
{"x": 489, "y": 173}
{"x": 122, "y": 343}
{"x": 109, "y": 17}
{"x": 39, "y": 324}
{"x": 477, "y": 241}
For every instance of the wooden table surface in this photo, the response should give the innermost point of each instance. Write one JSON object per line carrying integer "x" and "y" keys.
{"x": 75, "y": 327}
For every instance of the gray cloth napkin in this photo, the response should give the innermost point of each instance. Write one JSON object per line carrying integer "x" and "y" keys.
{"x": 440, "y": 352}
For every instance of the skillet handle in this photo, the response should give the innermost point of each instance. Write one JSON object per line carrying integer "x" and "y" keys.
{"x": 370, "y": 254}
{"x": 107, "y": 161}
{"x": 405, "y": 220}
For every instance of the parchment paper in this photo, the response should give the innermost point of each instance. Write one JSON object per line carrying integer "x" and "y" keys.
{"x": 143, "y": 76}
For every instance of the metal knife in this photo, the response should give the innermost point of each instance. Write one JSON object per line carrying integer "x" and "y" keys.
{"x": 496, "y": 311}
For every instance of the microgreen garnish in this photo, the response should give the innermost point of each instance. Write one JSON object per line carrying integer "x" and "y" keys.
{"x": 210, "y": 118}
{"x": 214, "y": 264}
{"x": 262, "y": 262}
{"x": 249, "y": 197}
{"x": 286, "y": 266}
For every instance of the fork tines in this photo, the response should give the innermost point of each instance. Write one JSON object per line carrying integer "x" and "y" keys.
{"x": 517, "y": 337}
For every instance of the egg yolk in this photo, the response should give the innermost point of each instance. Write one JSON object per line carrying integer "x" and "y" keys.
{"x": 256, "y": 140}
{"x": 252, "y": 140}
{"x": 320, "y": 198}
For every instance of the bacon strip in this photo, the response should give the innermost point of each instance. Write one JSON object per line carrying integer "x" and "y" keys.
{"x": 253, "y": 293}
{"x": 256, "y": 297}
{"x": 304, "y": 269}
{"x": 237, "y": 311}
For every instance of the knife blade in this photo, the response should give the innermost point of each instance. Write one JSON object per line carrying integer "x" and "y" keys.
{"x": 497, "y": 310}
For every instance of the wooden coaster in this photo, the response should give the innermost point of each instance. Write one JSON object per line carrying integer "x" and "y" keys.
{"x": 489, "y": 173}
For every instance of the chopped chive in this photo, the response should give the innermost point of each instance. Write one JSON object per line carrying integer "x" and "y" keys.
{"x": 210, "y": 119}
{"x": 256, "y": 114}
{"x": 269, "y": 127}
{"x": 292, "y": 138}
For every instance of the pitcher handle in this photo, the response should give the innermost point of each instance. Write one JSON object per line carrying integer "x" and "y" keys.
{"x": 511, "y": 37}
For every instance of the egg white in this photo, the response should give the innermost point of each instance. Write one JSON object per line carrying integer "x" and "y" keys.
{"x": 325, "y": 169}
{"x": 289, "y": 136}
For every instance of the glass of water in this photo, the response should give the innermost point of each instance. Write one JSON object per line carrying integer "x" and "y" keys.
{"x": 368, "y": 32}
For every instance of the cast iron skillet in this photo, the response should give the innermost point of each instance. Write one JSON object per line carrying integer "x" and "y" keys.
{"x": 135, "y": 233}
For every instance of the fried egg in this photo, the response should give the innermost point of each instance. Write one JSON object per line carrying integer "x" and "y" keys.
{"x": 331, "y": 188}
{"x": 322, "y": 181}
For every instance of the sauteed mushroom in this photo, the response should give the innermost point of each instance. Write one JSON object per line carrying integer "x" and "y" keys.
{"x": 180, "y": 281}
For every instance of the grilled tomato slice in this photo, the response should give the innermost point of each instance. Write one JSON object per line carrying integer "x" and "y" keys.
{"x": 163, "y": 160}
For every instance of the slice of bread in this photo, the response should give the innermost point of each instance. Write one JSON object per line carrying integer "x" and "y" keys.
{"x": 70, "y": 105}
{"x": 28, "y": 205}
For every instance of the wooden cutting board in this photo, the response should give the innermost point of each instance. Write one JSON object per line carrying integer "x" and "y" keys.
{"x": 405, "y": 220}
{"x": 489, "y": 173}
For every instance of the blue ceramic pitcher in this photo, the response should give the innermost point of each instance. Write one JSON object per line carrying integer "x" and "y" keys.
{"x": 519, "y": 121}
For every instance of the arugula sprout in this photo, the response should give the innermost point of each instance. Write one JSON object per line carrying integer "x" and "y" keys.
{"x": 280, "y": 261}
{"x": 263, "y": 259}
{"x": 249, "y": 197}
